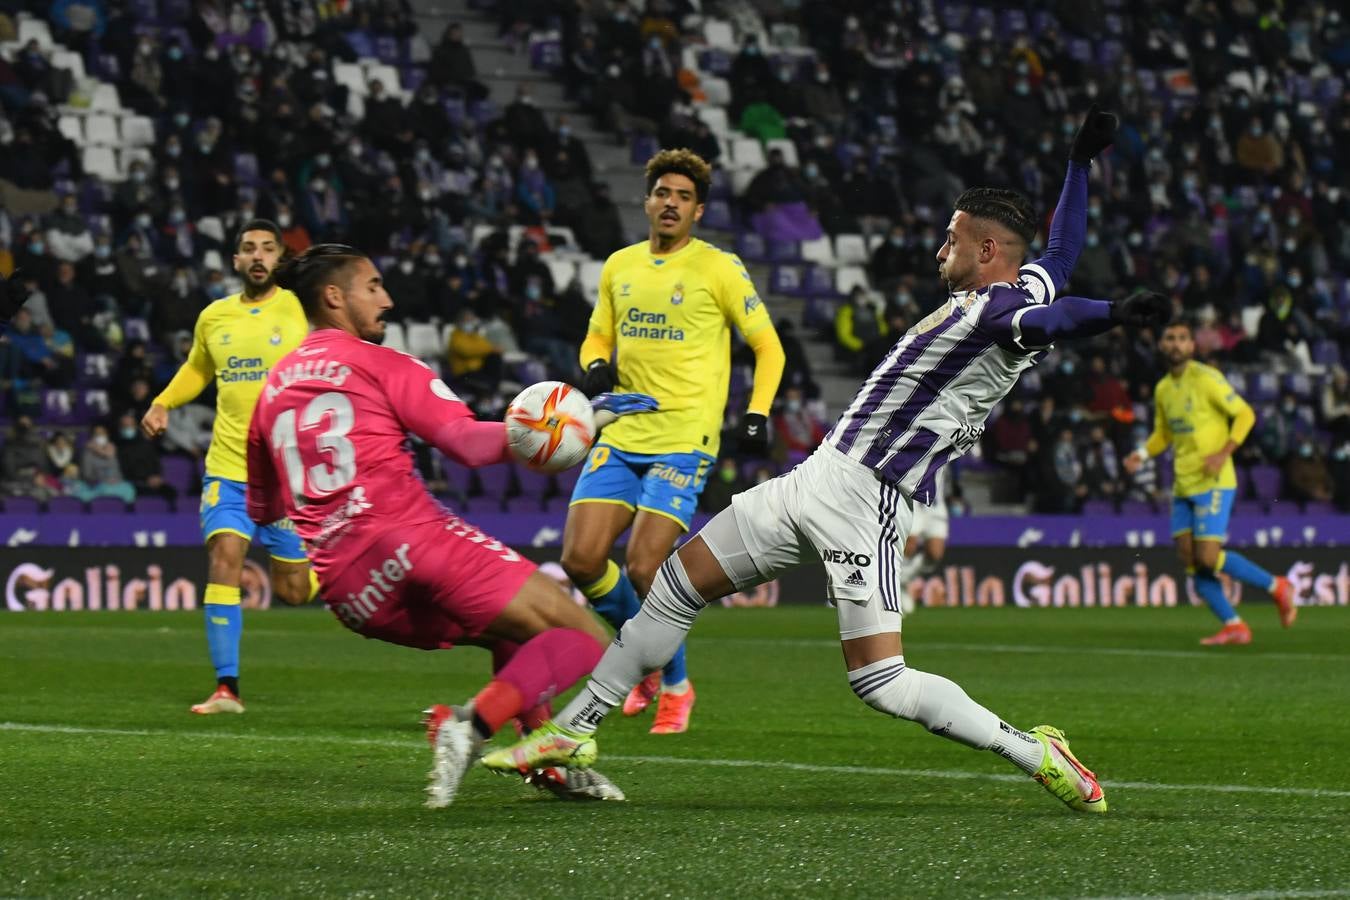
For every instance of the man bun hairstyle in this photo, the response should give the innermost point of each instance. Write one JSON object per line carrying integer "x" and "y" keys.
{"x": 1008, "y": 208}
{"x": 681, "y": 162}
{"x": 307, "y": 274}
{"x": 259, "y": 225}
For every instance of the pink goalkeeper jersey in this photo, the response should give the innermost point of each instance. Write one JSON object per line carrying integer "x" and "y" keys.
{"x": 327, "y": 445}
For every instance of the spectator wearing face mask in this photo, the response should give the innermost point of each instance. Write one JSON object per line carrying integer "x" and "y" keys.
{"x": 410, "y": 288}
{"x": 139, "y": 460}
{"x": 725, "y": 483}
{"x": 798, "y": 430}
{"x": 1259, "y": 153}
{"x": 1279, "y": 429}
{"x": 22, "y": 462}
{"x": 1306, "y": 476}
{"x": 100, "y": 470}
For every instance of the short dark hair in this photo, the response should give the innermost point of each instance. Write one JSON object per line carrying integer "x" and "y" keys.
{"x": 259, "y": 225}
{"x": 307, "y": 274}
{"x": 1180, "y": 322}
{"x": 681, "y": 162}
{"x": 1008, "y": 208}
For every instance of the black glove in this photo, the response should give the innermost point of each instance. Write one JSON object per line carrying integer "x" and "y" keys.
{"x": 599, "y": 379}
{"x": 1097, "y": 132}
{"x": 13, "y": 295}
{"x": 754, "y": 440}
{"x": 1142, "y": 309}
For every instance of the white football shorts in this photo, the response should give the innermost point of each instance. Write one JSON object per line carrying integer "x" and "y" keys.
{"x": 833, "y": 509}
{"x": 930, "y": 522}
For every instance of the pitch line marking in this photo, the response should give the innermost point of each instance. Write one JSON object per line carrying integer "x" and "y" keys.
{"x": 954, "y": 774}
{"x": 1237, "y": 895}
{"x": 1245, "y": 657}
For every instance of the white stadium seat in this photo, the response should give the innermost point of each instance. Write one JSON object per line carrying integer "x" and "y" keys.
{"x": 847, "y": 277}
{"x": 138, "y": 131}
{"x": 30, "y": 29}
{"x": 101, "y": 131}
{"x": 589, "y": 273}
{"x": 212, "y": 227}
{"x": 72, "y": 127}
{"x": 212, "y": 259}
{"x": 350, "y": 76}
{"x": 105, "y": 98}
{"x": 787, "y": 148}
{"x": 819, "y": 251}
{"x": 387, "y": 76}
{"x": 851, "y": 250}
{"x": 718, "y": 90}
{"x": 716, "y": 117}
{"x": 394, "y": 337}
{"x": 101, "y": 162}
{"x": 69, "y": 60}
{"x": 424, "y": 339}
{"x": 128, "y": 155}
{"x": 719, "y": 34}
{"x": 562, "y": 270}
{"x": 746, "y": 153}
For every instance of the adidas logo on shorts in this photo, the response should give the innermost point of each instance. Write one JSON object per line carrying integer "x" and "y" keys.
{"x": 856, "y": 579}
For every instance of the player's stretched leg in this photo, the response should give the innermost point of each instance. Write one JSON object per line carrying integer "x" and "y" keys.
{"x": 1185, "y": 517}
{"x": 224, "y": 621}
{"x": 558, "y": 643}
{"x": 654, "y": 535}
{"x": 1235, "y": 565}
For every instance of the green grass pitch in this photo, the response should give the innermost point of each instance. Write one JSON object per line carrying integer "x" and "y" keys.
{"x": 1226, "y": 768}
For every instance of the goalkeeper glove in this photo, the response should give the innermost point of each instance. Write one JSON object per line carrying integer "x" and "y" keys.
{"x": 599, "y": 379}
{"x": 609, "y": 407}
{"x": 1097, "y": 132}
{"x": 754, "y": 438}
{"x": 1142, "y": 309}
{"x": 13, "y": 295}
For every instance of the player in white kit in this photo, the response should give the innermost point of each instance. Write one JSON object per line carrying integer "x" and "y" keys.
{"x": 851, "y": 503}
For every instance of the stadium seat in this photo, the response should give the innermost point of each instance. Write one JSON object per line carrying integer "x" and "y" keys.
{"x": 819, "y": 282}
{"x": 387, "y": 76}
{"x": 531, "y": 483}
{"x": 716, "y": 119}
{"x": 787, "y": 148}
{"x": 1299, "y": 384}
{"x": 93, "y": 403}
{"x": 152, "y": 505}
{"x": 22, "y": 506}
{"x": 786, "y": 280}
{"x": 136, "y": 329}
{"x": 819, "y": 251}
{"x": 128, "y": 155}
{"x": 72, "y": 128}
{"x": 1265, "y": 387}
{"x": 138, "y": 131}
{"x": 565, "y": 270}
{"x": 848, "y": 277}
{"x": 35, "y": 29}
{"x": 93, "y": 369}
{"x": 105, "y": 98}
{"x": 819, "y": 312}
{"x": 394, "y": 337}
{"x": 179, "y": 472}
{"x": 717, "y": 216}
{"x": 107, "y": 506}
{"x": 493, "y": 481}
{"x": 1265, "y": 481}
{"x": 851, "y": 249}
{"x": 589, "y": 273}
{"x": 424, "y": 339}
{"x": 211, "y": 227}
{"x": 746, "y": 153}
{"x": 101, "y": 162}
{"x": 1251, "y": 319}
{"x": 65, "y": 506}
{"x": 1326, "y": 353}
{"x": 784, "y": 251}
{"x": 351, "y": 76}
{"x": 750, "y": 246}
{"x": 71, "y": 61}
{"x": 719, "y": 34}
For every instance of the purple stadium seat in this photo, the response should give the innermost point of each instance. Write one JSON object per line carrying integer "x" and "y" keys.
{"x": 22, "y": 506}
{"x": 530, "y": 371}
{"x": 1265, "y": 481}
{"x": 953, "y": 15}
{"x": 65, "y": 505}
{"x": 1080, "y": 50}
{"x": 456, "y": 110}
{"x": 1109, "y": 52}
{"x": 1299, "y": 384}
{"x": 1014, "y": 21}
{"x": 981, "y": 17}
{"x": 179, "y": 472}
{"x": 1030, "y": 381}
{"x": 152, "y": 505}
{"x": 643, "y": 148}
{"x": 1238, "y": 380}
{"x": 1099, "y": 508}
{"x": 1137, "y": 508}
{"x": 360, "y": 42}
{"x": 93, "y": 404}
{"x": 246, "y": 169}
{"x": 545, "y": 52}
{"x": 717, "y": 216}
{"x": 136, "y": 329}
{"x": 1249, "y": 509}
{"x": 176, "y": 11}
{"x": 485, "y": 112}
{"x": 107, "y": 506}
{"x": 565, "y": 481}
{"x": 1041, "y": 20}
{"x": 494, "y": 480}
{"x": 144, "y": 10}
{"x": 720, "y": 187}
{"x": 411, "y": 77}
{"x": 784, "y": 251}
{"x": 1326, "y": 353}
{"x": 532, "y": 483}
{"x": 58, "y": 407}
{"x": 557, "y": 506}
{"x": 785, "y": 280}
{"x": 819, "y": 312}
{"x": 820, "y": 282}
{"x": 1265, "y": 387}
{"x": 1319, "y": 508}
{"x": 458, "y": 477}
{"x": 388, "y": 50}
{"x": 750, "y": 246}
{"x": 93, "y": 369}
{"x": 519, "y": 505}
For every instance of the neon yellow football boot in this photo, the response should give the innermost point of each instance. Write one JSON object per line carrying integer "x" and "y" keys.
{"x": 548, "y": 745}
{"x": 1064, "y": 776}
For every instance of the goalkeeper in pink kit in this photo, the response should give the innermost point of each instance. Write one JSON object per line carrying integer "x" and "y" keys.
{"x": 327, "y": 448}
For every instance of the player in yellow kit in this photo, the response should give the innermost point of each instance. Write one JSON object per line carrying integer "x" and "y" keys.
{"x": 235, "y": 342}
{"x": 662, "y": 326}
{"x": 1204, "y": 420}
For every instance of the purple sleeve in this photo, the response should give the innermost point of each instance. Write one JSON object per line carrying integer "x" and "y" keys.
{"x": 1019, "y": 322}
{"x": 1045, "y": 277}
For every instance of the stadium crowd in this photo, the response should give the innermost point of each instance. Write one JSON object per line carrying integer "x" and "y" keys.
{"x": 1222, "y": 191}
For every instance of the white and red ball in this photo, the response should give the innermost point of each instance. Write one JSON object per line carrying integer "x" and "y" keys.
{"x": 550, "y": 426}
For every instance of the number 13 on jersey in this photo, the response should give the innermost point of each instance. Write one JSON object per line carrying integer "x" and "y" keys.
{"x": 331, "y": 458}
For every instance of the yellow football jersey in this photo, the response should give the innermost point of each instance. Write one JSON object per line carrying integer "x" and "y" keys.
{"x": 669, "y": 319}
{"x": 1195, "y": 414}
{"x": 236, "y": 343}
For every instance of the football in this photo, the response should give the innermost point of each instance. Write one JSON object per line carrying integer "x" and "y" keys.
{"x": 550, "y": 426}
